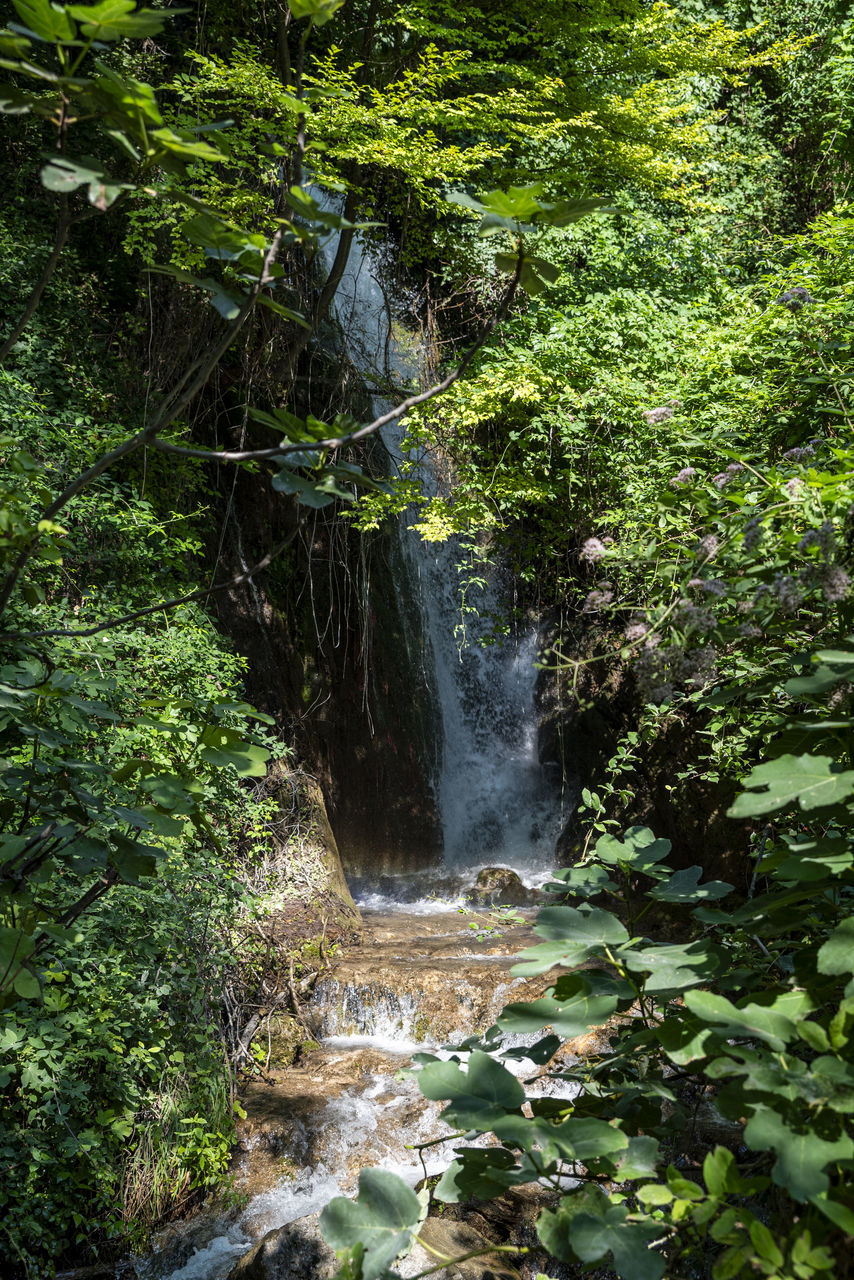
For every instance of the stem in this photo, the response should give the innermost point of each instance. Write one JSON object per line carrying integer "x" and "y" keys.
{"x": 237, "y": 581}
{"x": 63, "y": 226}
{"x": 476, "y": 1253}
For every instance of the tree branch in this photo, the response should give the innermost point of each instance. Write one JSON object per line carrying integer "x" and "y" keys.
{"x": 63, "y": 226}
{"x": 338, "y": 442}
{"x": 236, "y": 581}
{"x": 169, "y": 411}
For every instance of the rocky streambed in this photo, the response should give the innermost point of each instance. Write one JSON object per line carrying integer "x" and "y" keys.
{"x": 418, "y": 981}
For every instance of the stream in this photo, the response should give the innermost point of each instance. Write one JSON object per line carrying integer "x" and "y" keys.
{"x": 417, "y": 982}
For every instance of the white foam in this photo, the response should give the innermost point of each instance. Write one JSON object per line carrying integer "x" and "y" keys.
{"x": 215, "y": 1259}
{"x": 395, "y": 1045}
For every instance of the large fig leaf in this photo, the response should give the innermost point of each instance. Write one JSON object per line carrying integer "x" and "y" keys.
{"x": 383, "y": 1218}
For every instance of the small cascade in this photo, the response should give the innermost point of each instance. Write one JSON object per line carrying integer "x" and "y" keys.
{"x": 418, "y": 983}
{"x": 497, "y": 804}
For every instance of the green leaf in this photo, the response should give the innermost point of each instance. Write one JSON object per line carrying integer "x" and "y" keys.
{"x": 116, "y": 20}
{"x": 578, "y": 1139}
{"x": 585, "y": 880}
{"x": 26, "y": 985}
{"x": 477, "y": 1097}
{"x": 570, "y": 1016}
{"x": 320, "y": 11}
{"x": 814, "y": 781}
{"x": 639, "y": 849}
{"x": 753, "y": 1020}
{"x": 383, "y": 1218}
{"x": 837, "y": 954}
{"x": 684, "y": 886}
{"x": 575, "y": 934}
{"x": 592, "y": 1237}
{"x": 672, "y": 966}
{"x": 224, "y": 747}
{"x": 482, "y": 1173}
{"x": 47, "y": 21}
{"x": 63, "y": 174}
{"x": 134, "y": 860}
{"x": 319, "y": 492}
{"x": 802, "y": 1157}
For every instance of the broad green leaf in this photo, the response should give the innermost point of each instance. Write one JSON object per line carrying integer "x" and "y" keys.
{"x": 48, "y": 21}
{"x": 639, "y": 1160}
{"x": 639, "y": 849}
{"x": 841, "y": 1215}
{"x": 64, "y": 175}
{"x": 583, "y": 881}
{"x": 592, "y": 1237}
{"x": 564, "y": 212}
{"x": 320, "y": 11}
{"x": 224, "y": 747}
{"x": 319, "y": 492}
{"x": 837, "y": 954}
{"x": 578, "y": 1139}
{"x": 480, "y": 1172}
{"x": 383, "y": 1218}
{"x": 672, "y": 966}
{"x": 570, "y": 1017}
{"x": 477, "y": 1098}
{"x": 26, "y": 985}
{"x": 814, "y": 781}
{"x": 802, "y": 1157}
{"x": 684, "y": 886}
{"x": 753, "y": 1020}
{"x": 118, "y": 19}
{"x": 574, "y": 933}
{"x": 134, "y": 860}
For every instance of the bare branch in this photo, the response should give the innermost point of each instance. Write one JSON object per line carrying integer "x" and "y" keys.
{"x": 63, "y": 225}
{"x": 168, "y": 412}
{"x": 370, "y": 428}
{"x": 236, "y": 581}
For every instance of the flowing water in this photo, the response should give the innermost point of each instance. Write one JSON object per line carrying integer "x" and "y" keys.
{"x": 497, "y": 804}
{"x": 417, "y": 982}
{"x": 423, "y": 977}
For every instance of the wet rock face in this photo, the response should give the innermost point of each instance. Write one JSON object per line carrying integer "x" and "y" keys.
{"x": 500, "y": 885}
{"x": 415, "y": 985}
{"x": 295, "y": 1252}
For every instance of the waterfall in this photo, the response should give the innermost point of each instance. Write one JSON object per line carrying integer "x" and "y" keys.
{"x": 495, "y": 801}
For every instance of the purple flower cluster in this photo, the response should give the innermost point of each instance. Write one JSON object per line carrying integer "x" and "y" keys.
{"x": 683, "y": 477}
{"x": 598, "y": 599}
{"x": 708, "y": 547}
{"x": 822, "y": 538}
{"x": 800, "y": 453}
{"x": 723, "y": 477}
{"x": 835, "y": 584}
{"x": 661, "y": 414}
{"x": 593, "y": 550}
{"x": 691, "y": 617}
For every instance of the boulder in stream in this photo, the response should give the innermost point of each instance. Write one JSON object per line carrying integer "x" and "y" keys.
{"x": 500, "y": 885}
{"x": 293, "y": 1252}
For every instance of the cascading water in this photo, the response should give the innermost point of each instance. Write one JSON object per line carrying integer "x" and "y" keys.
{"x": 496, "y": 802}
